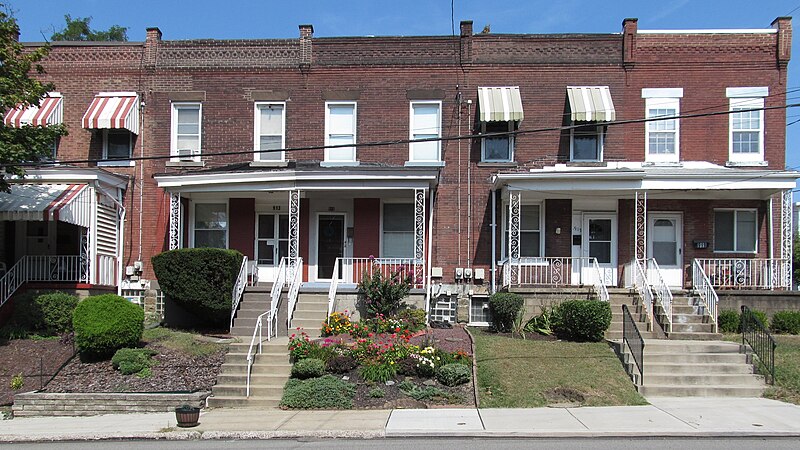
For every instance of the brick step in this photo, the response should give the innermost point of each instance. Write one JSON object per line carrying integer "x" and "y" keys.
{"x": 714, "y": 379}
{"x": 243, "y": 402}
{"x": 699, "y": 391}
{"x": 257, "y": 390}
{"x": 678, "y": 368}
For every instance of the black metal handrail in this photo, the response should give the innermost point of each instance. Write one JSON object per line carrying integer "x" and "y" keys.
{"x": 756, "y": 335}
{"x": 633, "y": 339}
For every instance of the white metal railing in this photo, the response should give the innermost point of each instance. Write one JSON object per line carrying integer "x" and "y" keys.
{"x": 238, "y": 288}
{"x": 295, "y": 272}
{"x": 354, "y": 269}
{"x": 272, "y": 326}
{"x": 599, "y": 286}
{"x": 551, "y": 271}
{"x": 65, "y": 268}
{"x": 746, "y": 273}
{"x": 663, "y": 295}
{"x": 277, "y": 285}
{"x": 332, "y": 289}
{"x": 702, "y": 285}
{"x": 643, "y": 288}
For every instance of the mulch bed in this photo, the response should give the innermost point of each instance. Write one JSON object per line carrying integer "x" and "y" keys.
{"x": 36, "y": 360}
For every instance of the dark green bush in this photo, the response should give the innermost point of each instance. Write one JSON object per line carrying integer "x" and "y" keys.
{"x": 56, "y": 310}
{"x": 132, "y": 360}
{"x": 453, "y": 374}
{"x": 384, "y": 294}
{"x": 308, "y": 368}
{"x": 786, "y": 322}
{"x": 326, "y": 392}
{"x": 504, "y": 307}
{"x": 760, "y": 315}
{"x": 414, "y": 317}
{"x": 582, "y": 320}
{"x": 200, "y": 279}
{"x": 728, "y": 321}
{"x": 105, "y": 323}
{"x": 341, "y": 364}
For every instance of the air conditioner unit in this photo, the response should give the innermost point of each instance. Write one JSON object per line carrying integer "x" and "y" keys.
{"x": 187, "y": 154}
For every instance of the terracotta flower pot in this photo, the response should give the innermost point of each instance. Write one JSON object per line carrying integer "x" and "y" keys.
{"x": 187, "y": 416}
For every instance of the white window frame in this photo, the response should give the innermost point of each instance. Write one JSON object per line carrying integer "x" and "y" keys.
{"x": 504, "y": 239}
{"x": 193, "y": 221}
{"x": 511, "y": 126}
{"x": 395, "y": 202}
{"x": 736, "y": 212}
{"x": 118, "y": 162}
{"x": 174, "y": 129}
{"x": 667, "y": 98}
{"x": 354, "y": 159}
{"x": 746, "y": 103}
{"x": 257, "y": 131}
{"x": 412, "y": 134}
{"x": 601, "y": 134}
{"x": 474, "y": 298}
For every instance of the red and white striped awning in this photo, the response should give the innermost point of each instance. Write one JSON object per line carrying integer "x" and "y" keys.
{"x": 50, "y": 111}
{"x": 114, "y": 110}
{"x": 71, "y": 203}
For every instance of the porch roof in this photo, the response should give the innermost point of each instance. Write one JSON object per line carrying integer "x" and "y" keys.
{"x": 71, "y": 203}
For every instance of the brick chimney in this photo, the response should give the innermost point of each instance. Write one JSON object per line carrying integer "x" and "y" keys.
{"x": 306, "y": 35}
{"x": 629, "y": 29}
{"x": 466, "y": 28}
{"x": 465, "y": 42}
{"x": 151, "y": 43}
{"x": 784, "y": 40}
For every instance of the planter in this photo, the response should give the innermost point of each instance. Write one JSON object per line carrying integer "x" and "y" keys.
{"x": 187, "y": 416}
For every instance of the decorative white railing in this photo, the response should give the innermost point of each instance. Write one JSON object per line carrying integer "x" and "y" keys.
{"x": 295, "y": 272}
{"x": 277, "y": 285}
{"x": 643, "y": 288}
{"x": 354, "y": 269}
{"x": 702, "y": 285}
{"x": 272, "y": 329}
{"x": 746, "y": 273}
{"x": 238, "y": 288}
{"x": 550, "y": 271}
{"x": 663, "y": 295}
{"x": 599, "y": 287}
{"x": 66, "y": 269}
{"x": 332, "y": 289}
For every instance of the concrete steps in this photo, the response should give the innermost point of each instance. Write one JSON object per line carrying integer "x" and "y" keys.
{"x": 690, "y": 319}
{"x": 310, "y": 312}
{"x": 619, "y": 297}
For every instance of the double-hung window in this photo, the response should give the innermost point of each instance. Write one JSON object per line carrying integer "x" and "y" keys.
{"x": 589, "y": 108}
{"x": 117, "y": 147}
{"x": 425, "y": 123}
{"x": 746, "y": 139}
{"x": 186, "y": 131}
{"x": 398, "y": 230}
{"x": 586, "y": 143}
{"x": 211, "y": 225}
{"x": 499, "y": 114}
{"x": 497, "y": 147}
{"x": 270, "y": 135}
{"x": 340, "y": 131}
{"x": 530, "y": 235}
{"x": 662, "y": 130}
{"x": 735, "y": 230}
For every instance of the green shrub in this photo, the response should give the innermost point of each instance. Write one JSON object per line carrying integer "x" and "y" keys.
{"x": 308, "y": 368}
{"x": 760, "y": 315}
{"x": 419, "y": 393}
{"x": 583, "y": 320}
{"x": 377, "y": 393}
{"x": 341, "y": 364}
{"x": 541, "y": 324}
{"x": 17, "y": 382}
{"x": 786, "y": 322}
{"x": 105, "y": 323}
{"x": 383, "y": 294}
{"x": 728, "y": 321}
{"x": 378, "y": 372}
{"x": 326, "y": 392}
{"x": 132, "y": 360}
{"x": 200, "y": 279}
{"x": 56, "y": 312}
{"x": 415, "y": 318}
{"x": 504, "y": 308}
{"x": 454, "y": 374}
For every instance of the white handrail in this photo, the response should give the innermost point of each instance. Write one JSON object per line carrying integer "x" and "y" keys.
{"x": 599, "y": 286}
{"x": 12, "y": 280}
{"x": 663, "y": 295}
{"x": 705, "y": 289}
{"x": 746, "y": 273}
{"x": 294, "y": 289}
{"x": 277, "y": 286}
{"x": 238, "y": 288}
{"x": 257, "y": 331}
{"x": 643, "y": 288}
{"x": 332, "y": 289}
{"x": 55, "y": 268}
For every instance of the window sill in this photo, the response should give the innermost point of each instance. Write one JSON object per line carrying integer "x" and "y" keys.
{"x": 339, "y": 164}
{"x": 498, "y": 164}
{"x": 424, "y": 164}
{"x": 662, "y": 164}
{"x": 587, "y": 163}
{"x": 746, "y": 163}
{"x": 185, "y": 164}
{"x": 116, "y": 163}
{"x": 269, "y": 164}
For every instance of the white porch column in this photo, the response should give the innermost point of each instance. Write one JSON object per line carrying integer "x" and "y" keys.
{"x": 419, "y": 234}
{"x": 786, "y": 239}
{"x": 640, "y": 245}
{"x": 294, "y": 230}
{"x": 174, "y": 220}
{"x": 514, "y": 211}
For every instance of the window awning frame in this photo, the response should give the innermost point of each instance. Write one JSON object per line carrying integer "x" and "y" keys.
{"x": 113, "y": 110}
{"x": 590, "y": 104}
{"x": 50, "y": 111}
{"x": 500, "y": 104}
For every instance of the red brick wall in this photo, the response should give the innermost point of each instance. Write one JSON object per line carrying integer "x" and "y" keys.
{"x": 242, "y": 228}
{"x": 366, "y": 227}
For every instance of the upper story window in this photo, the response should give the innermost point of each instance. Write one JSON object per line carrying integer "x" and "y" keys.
{"x": 746, "y": 138}
{"x": 499, "y": 113}
{"x": 735, "y": 230}
{"x": 662, "y": 137}
{"x": 117, "y": 147}
{"x": 425, "y": 123}
{"x": 340, "y": 129}
{"x": 186, "y": 131}
{"x": 590, "y": 107}
{"x": 270, "y": 131}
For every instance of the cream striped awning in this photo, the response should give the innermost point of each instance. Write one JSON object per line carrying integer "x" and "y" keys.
{"x": 590, "y": 104}
{"x": 71, "y": 203}
{"x": 112, "y": 110}
{"x": 499, "y": 104}
{"x": 50, "y": 111}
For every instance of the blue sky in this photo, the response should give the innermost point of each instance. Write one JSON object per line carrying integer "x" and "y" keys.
{"x": 279, "y": 19}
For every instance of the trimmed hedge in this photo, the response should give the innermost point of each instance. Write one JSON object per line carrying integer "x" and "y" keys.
{"x": 582, "y": 320}
{"x": 46, "y": 314}
{"x": 200, "y": 279}
{"x": 308, "y": 368}
{"x": 504, "y": 307}
{"x": 132, "y": 360}
{"x": 326, "y": 392}
{"x": 786, "y": 322}
{"x": 454, "y": 374}
{"x": 105, "y": 323}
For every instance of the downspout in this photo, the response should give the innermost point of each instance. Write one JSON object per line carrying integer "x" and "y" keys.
{"x": 458, "y": 200}
{"x": 469, "y": 192}
{"x": 430, "y": 253}
{"x": 141, "y": 174}
{"x": 493, "y": 226}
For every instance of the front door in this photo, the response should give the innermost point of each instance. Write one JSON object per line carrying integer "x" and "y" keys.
{"x": 272, "y": 244}
{"x": 330, "y": 244}
{"x": 600, "y": 242}
{"x": 665, "y": 245}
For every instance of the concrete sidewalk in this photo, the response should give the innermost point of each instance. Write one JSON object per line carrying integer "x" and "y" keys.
{"x": 663, "y": 417}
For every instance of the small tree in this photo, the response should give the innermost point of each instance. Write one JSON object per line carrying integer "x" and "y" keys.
{"x": 383, "y": 294}
{"x": 78, "y": 29}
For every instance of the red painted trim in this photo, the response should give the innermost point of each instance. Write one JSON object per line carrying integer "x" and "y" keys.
{"x": 55, "y": 202}
{"x": 45, "y": 110}
{"x": 90, "y": 112}
{"x": 123, "y": 114}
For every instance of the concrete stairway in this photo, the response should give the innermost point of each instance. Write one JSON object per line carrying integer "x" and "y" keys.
{"x": 690, "y": 319}
{"x": 311, "y": 310}
{"x": 686, "y": 368}
{"x": 619, "y": 297}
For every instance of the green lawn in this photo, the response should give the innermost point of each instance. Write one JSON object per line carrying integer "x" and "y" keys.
{"x": 189, "y": 343}
{"x": 787, "y": 368}
{"x": 516, "y": 373}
